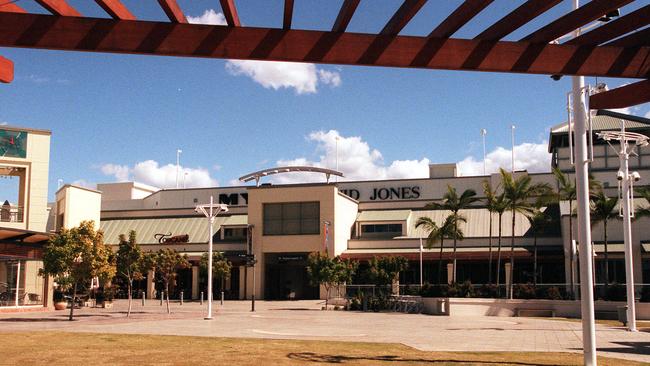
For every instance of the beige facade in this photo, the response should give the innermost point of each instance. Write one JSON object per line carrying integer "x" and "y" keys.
{"x": 75, "y": 204}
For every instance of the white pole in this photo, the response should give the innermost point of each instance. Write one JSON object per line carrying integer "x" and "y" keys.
{"x": 211, "y": 222}
{"x": 337, "y": 158}
{"x": 184, "y": 177}
{"x": 18, "y": 284}
{"x": 483, "y": 133}
{"x": 627, "y": 233}
{"x": 513, "y": 147}
{"x": 421, "y": 262}
{"x": 178, "y": 163}
{"x": 584, "y": 219}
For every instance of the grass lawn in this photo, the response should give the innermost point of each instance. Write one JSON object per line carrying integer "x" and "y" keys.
{"x": 119, "y": 349}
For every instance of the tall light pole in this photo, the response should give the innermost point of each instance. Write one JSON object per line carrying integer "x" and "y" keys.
{"x": 626, "y": 188}
{"x": 483, "y": 133}
{"x": 421, "y": 249}
{"x": 584, "y": 217}
{"x": 210, "y": 211}
{"x": 337, "y": 157}
{"x": 512, "y": 128}
{"x": 178, "y": 164}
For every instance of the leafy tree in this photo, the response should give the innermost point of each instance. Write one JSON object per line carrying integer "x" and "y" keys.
{"x": 518, "y": 193}
{"x": 603, "y": 209}
{"x": 453, "y": 202}
{"x": 446, "y": 231}
{"x": 329, "y": 272}
{"x": 75, "y": 256}
{"x": 132, "y": 263}
{"x": 640, "y": 210}
{"x": 167, "y": 263}
{"x": 385, "y": 270}
{"x": 221, "y": 267}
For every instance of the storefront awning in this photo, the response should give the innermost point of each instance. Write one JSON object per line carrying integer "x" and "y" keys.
{"x": 434, "y": 253}
{"x": 22, "y": 244}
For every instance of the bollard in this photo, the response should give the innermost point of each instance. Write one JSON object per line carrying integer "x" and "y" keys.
{"x": 143, "y": 296}
{"x": 162, "y": 296}
{"x": 201, "y": 297}
{"x": 221, "y": 297}
{"x": 181, "y": 297}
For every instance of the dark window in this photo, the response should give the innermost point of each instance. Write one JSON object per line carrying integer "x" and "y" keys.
{"x": 295, "y": 218}
{"x": 381, "y": 230}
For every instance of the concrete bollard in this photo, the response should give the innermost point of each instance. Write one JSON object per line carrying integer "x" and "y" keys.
{"x": 143, "y": 296}
{"x": 181, "y": 297}
{"x": 221, "y": 297}
{"x": 162, "y": 296}
{"x": 201, "y": 297}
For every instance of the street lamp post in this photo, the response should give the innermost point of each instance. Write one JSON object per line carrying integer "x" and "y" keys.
{"x": 178, "y": 164}
{"x": 483, "y": 133}
{"x": 512, "y": 128}
{"x": 210, "y": 211}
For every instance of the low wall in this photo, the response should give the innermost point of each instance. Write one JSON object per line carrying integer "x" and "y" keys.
{"x": 503, "y": 307}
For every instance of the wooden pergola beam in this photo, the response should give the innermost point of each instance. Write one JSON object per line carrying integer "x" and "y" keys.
{"x": 230, "y": 13}
{"x": 345, "y": 15}
{"x": 6, "y": 70}
{"x": 526, "y": 12}
{"x": 402, "y": 17}
{"x": 196, "y": 40}
{"x": 615, "y": 28}
{"x": 173, "y": 11}
{"x": 59, "y": 7}
{"x": 10, "y": 7}
{"x": 461, "y": 16}
{"x": 116, "y": 9}
{"x": 288, "y": 14}
{"x": 574, "y": 20}
{"x": 636, "y": 39}
{"x": 622, "y": 97}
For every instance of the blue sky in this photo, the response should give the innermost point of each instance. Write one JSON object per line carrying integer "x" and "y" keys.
{"x": 118, "y": 117}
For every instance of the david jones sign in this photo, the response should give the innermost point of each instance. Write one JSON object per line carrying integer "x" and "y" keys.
{"x": 386, "y": 194}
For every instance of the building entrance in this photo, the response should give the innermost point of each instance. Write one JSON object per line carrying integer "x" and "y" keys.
{"x": 286, "y": 277}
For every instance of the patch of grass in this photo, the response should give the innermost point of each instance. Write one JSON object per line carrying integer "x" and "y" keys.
{"x": 38, "y": 348}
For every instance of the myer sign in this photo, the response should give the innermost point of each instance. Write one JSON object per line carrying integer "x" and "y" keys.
{"x": 384, "y": 193}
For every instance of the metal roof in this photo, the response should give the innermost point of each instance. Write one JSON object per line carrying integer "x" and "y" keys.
{"x": 602, "y": 123}
{"x": 477, "y": 225}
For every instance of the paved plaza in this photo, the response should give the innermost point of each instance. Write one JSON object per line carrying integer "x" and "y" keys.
{"x": 305, "y": 320}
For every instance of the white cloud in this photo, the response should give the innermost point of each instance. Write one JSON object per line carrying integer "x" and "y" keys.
{"x": 303, "y": 77}
{"x": 3, "y": 123}
{"x": 152, "y": 173}
{"x": 208, "y": 17}
{"x": 84, "y": 183}
{"x": 529, "y": 156}
{"x": 647, "y": 115}
{"x": 356, "y": 160}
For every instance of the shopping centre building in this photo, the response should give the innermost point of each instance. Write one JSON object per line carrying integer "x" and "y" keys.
{"x": 282, "y": 224}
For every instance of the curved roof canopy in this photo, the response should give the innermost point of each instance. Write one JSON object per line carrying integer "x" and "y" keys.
{"x": 288, "y": 169}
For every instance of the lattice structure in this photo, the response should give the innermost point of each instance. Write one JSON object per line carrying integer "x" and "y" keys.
{"x": 619, "y": 48}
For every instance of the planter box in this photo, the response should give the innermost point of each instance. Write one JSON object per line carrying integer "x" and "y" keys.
{"x": 60, "y": 305}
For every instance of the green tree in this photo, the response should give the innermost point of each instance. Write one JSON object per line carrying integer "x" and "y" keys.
{"x": 453, "y": 202}
{"x": 75, "y": 256}
{"x": 644, "y": 211}
{"x": 322, "y": 272}
{"x": 440, "y": 233}
{"x": 345, "y": 270}
{"x": 167, "y": 263}
{"x": 495, "y": 204}
{"x": 385, "y": 270}
{"x": 518, "y": 193}
{"x": 132, "y": 263}
{"x": 603, "y": 209}
{"x": 221, "y": 267}
{"x": 538, "y": 221}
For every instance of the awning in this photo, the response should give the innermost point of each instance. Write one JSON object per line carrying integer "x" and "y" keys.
{"x": 645, "y": 246}
{"x": 383, "y": 215}
{"x": 146, "y": 229}
{"x": 21, "y": 244}
{"x": 614, "y": 247}
{"x": 434, "y": 253}
{"x": 25, "y": 236}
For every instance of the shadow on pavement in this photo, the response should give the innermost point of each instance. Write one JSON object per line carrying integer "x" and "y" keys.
{"x": 31, "y": 320}
{"x": 323, "y": 358}
{"x": 639, "y": 348}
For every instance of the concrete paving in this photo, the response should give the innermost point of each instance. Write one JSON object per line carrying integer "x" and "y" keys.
{"x": 305, "y": 320}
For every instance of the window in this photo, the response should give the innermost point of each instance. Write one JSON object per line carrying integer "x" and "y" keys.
{"x": 381, "y": 230}
{"x": 295, "y": 218}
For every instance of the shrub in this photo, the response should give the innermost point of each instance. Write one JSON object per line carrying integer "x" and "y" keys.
{"x": 615, "y": 292}
{"x": 488, "y": 290}
{"x": 553, "y": 293}
{"x": 524, "y": 291}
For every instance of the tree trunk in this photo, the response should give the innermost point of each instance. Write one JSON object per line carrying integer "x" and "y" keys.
{"x": 499, "y": 258}
{"x": 129, "y": 287}
{"x": 167, "y": 292}
{"x": 74, "y": 295}
{"x": 440, "y": 261}
{"x": 535, "y": 257}
{"x": 512, "y": 254}
{"x": 454, "y": 254}
{"x": 571, "y": 255}
{"x": 606, "y": 256}
{"x": 490, "y": 252}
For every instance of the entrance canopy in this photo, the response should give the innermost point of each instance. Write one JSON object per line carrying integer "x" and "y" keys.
{"x": 618, "y": 48}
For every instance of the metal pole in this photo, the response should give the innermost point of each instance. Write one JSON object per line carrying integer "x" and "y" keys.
{"x": 178, "y": 161}
{"x": 221, "y": 297}
{"x": 18, "y": 284}
{"x": 253, "y": 292}
{"x": 627, "y": 233}
{"x": 182, "y": 297}
{"x": 513, "y": 148}
{"x": 420, "y": 262}
{"x": 483, "y": 133}
{"x": 162, "y": 296}
{"x": 210, "y": 222}
{"x": 143, "y": 298}
{"x": 201, "y": 297}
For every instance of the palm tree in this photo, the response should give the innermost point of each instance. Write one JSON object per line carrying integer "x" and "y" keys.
{"x": 538, "y": 221}
{"x": 440, "y": 233}
{"x": 566, "y": 189}
{"x": 500, "y": 206}
{"x": 453, "y": 202}
{"x": 494, "y": 204}
{"x": 603, "y": 209}
{"x": 518, "y": 192}
{"x": 640, "y": 210}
